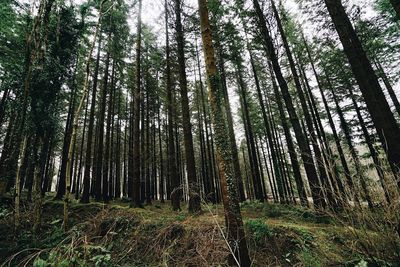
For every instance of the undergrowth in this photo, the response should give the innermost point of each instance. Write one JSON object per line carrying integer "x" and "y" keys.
{"x": 116, "y": 235}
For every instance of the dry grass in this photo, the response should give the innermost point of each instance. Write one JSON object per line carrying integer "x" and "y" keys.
{"x": 116, "y": 235}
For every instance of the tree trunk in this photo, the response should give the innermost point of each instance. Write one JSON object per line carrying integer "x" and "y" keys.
{"x": 353, "y": 152}
{"x": 371, "y": 148}
{"x": 194, "y": 196}
{"x": 236, "y": 235}
{"x": 98, "y": 178}
{"x": 388, "y": 86}
{"x": 314, "y": 140}
{"x": 232, "y": 138}
{"x": 382, "y": 117}
{"x": 305, "y": 150}
{"x": 342, "y": 157}
{"x": 106, "y": 175}
{"x": 172, "y": 169}
{"x": 255, "y": 170}
{"x": 267, "y": 126}
{"x": 76, "y": 120}
{"x": 88, "y": 156}
{"x": 136, "y": 116}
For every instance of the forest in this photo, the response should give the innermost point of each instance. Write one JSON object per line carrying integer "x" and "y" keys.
{"x": 199, "y": 133}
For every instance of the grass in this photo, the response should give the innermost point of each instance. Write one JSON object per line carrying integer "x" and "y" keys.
{"x": 116, "y": 235}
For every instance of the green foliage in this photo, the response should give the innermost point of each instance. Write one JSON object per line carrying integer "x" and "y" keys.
{"x": 273, "y": 211}
{"x": 54, "y": 237}
{"x": 386, "y": 9}
{"x": 258, "y": 231}
{"x": 4, "y": 212}
{"x": 40, "y": 263}
{"x": 309, "y": 259}
{"x": 289, "y": 212}
{"x": 102, "y": 260}
{"x": 67, "y": 255}
{"x": 306, "y": 236}
{"x": 181, "y": 217}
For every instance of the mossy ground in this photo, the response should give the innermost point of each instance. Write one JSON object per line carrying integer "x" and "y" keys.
{"x": 117, "y": 235}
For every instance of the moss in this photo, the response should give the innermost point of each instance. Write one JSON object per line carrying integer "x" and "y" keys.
{"x": 157, "y": 236}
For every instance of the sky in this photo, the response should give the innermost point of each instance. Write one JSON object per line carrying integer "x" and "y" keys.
{"x": 152, "y": 15}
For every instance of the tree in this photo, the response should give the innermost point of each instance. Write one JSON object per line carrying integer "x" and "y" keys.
{"x": 136, "y": 115}
{"x": 396, "y": 6}
{"x": 76, "y": 119}
{"x": 306, "y": 154}
{"x": 382, "y": 117}
{"x": 194, "y": 196}
{"x": 233, "y": 218}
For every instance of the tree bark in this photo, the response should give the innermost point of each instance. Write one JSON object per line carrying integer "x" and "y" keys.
{"x": 89, "y": 143}
{"x": 136, "y": 116}
{"x": 382, "y": 117}
{"x": 194, "y": 195}
{"x": 309, "y": 165}
{"x": 314, "y": 139}
{"x": 233, "y": 218}
{"x": 173, "y": 179}
{"x": 76, "y": 120}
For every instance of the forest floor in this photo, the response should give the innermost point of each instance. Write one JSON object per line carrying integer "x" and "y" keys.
{"x": 116, "y": 235}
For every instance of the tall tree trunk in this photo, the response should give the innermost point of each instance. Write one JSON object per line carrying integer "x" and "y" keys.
{"x": 353, "y": 152}
{"x": 289, "y": 142}
{"x": 309, "y": 165}
{"x": 99, "y": 162}
{"x": 210, "y": 192}
{"x": 274, "y": 192}
{"x": 255, "y": 170}
{"x": 232, "y": 138}
{"x": 194, "y": 196}
{"x": 382, "y": 117}
{"x": 17, "y": 213}
{"x": 147, "y": 148}
{"x": 118, "y": 161}
{"x": 314, "y": 140}
{"x": 136, "y": 115}
{"x": 106, "y": 175}
{"x": 342, "y": 157}
{"x": 233, "y": 218}
{"x": 161, "y": 157}
{"x": 85, "y": 91}
{"x": 66, "y": 141}
{"x": 328, "y": 156}
{"x": 372, "y": 151}
{"x": 89, "y": 143}
{"x": 388, "y": 86}
{"x": 267, "y": 126}
{"x": 77, "y": 192}
{"x": 204, "y": 176}
{"x": 172, "y": 169}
